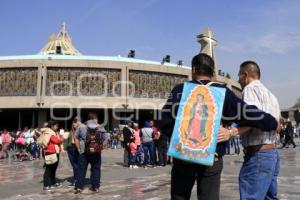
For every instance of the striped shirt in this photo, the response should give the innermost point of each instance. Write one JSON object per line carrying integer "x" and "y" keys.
{"x": 257, "y": 94}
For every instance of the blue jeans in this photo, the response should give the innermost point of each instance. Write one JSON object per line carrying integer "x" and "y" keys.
{"x": 73, "y": 157}
{"x": 139, "y": 154}
{"x": 34, "y": 150}
{"x": 148, "y": 150}
{"x": 236, "y": 143}
{"x": 95, "y": 161}
{"x": 114, "y": 144}
{"x": 133, "y": 159}
{"x": 227, "y": 148}
{"x": 258, "y": 175}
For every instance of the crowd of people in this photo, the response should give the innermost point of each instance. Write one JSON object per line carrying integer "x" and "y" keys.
{"x": 144, "y": 147}
{"x": 21, "y": 142}
{"x": 147, "y": 146}
{"x": 285, "y": 138}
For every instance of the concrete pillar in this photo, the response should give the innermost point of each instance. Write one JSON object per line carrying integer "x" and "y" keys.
{"x": 65, "y": 121}
{"x": 39, "y": 86}
{"x": 20, "y": 120}
{"x": 114, "y": 123}
{"x": 124, "y": 79}
{"x": 33, "y": 119}
{"x": 42, "y": 117}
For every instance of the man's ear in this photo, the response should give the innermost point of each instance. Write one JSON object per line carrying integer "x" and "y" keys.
{"x": 193, "y": 70}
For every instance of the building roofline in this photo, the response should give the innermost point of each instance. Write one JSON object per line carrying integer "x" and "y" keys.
{"x": 84, "y": 57}
{"x": 289, "y": 109}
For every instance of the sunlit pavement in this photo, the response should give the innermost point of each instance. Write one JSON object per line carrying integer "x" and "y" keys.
{"x": 23, "y": 180}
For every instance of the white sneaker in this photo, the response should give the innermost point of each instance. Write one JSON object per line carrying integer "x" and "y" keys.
{"x": 135, "y": 167}
{"x": 131, "y": 166}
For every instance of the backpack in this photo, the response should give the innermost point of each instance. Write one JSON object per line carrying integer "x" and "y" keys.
{"x": 93, "y": 144}
{"x": 44, "y": 138}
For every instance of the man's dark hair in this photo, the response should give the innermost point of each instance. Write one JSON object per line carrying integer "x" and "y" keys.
{"x": 92, "y": 116}
{"x": 75, "y": 120}
{"x": 203, "y": 64}
{"x": 129, "y": 123}
{"x": 251, "y": 67}
{"x": 52, "y": 123}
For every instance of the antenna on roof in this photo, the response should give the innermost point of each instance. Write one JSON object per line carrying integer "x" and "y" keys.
{"x": 131, "y": 53}
{"x": 180, "y": 63}
{"x": 166, "y": 59}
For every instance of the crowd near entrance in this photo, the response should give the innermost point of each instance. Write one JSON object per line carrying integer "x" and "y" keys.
{"x": 17, "y": 119}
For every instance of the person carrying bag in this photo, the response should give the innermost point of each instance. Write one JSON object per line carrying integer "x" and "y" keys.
{"x": 51, "y": 152}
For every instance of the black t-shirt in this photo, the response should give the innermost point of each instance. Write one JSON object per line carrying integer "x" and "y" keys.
{"x": 127, "y": 135}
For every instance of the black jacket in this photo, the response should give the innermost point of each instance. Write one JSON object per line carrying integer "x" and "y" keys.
{"x": 232, "y": 109}
{"x": 127, "y": 135}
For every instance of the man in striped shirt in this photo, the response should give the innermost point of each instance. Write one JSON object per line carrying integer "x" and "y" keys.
{"x": 258, "y": 175}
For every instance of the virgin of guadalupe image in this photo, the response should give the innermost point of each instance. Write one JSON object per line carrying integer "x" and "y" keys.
{"x": 198, "y": 119}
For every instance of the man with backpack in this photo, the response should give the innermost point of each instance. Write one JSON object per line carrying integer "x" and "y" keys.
{"x": 89, "y": 141}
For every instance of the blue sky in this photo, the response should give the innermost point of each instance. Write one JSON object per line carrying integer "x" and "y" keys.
{"x": 267, "y": 31}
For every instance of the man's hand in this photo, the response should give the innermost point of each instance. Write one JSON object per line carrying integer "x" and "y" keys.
{"x": 224, "y": 135}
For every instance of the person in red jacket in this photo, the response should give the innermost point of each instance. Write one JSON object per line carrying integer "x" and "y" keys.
{"x": 6, "y": 140}
{"x": 52, "y": 149}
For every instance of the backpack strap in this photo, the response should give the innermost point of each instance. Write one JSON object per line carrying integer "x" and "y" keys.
{"x": 147, "y": 133}
{"x": 210, "y": 83}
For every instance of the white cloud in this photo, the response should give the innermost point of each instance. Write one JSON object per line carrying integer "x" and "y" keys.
{"x": 272, "y": 39}
{"x": 278, "y": 42}
{"x": 274, "y": 30}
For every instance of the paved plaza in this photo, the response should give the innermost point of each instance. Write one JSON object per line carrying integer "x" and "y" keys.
{"x": 23, "y": 180}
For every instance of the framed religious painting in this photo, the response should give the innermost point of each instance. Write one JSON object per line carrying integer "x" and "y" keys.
{"x": 197, "y": 123}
